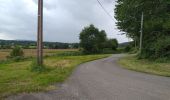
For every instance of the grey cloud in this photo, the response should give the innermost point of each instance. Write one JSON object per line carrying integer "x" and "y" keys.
{"x": 63, "y": 19}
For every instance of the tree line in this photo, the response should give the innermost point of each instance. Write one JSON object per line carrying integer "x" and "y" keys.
{"x": 156, "y": 28}
{"x": 8, "y": 44}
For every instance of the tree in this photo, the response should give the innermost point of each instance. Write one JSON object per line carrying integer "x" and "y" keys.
{"x": 111, "y": 43}
{"x": 91, "y": 39}
{"x": 156, "y": 22}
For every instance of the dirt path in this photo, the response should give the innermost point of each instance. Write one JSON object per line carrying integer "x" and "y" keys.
{"x": 105, "y": 80}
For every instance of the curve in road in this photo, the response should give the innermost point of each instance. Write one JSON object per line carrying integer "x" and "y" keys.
{"x": 104, "y": 79}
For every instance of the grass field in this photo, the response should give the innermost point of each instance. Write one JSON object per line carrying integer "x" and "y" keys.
{"x": 16, "y": 77}
{"x": 32, "y": 52}
{"x": 132, "y": 63}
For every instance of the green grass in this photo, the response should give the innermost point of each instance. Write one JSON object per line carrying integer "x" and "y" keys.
{"x": 146, "y": 66}
{"x": 16, "y": 77}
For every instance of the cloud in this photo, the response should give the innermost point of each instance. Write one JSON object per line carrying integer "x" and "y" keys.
{"x": 63, "y": 19}
{"x": 5, "y": 36}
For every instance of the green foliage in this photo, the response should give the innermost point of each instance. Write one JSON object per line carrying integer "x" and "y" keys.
{"x": 37, "y": 68}
{"x": 156, "y": 24}
{"x": 162, "y": 47}
{"x": 71, "y": 53}
{"x": 16, "y": 77}
{"x": 91, "y": 39}
{"x": 120, "y": 50}
{"x": 110, "y": 51}
{"x": 111, "y": 43}
{"x": 134, "y": 51}
{"x": 146, "y": 66}
{"x": 8, "y": 44}
{"x": 127, "y": 48}
{"x": 17, "y": 53}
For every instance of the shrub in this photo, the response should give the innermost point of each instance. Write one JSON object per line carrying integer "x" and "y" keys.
{"x": 159, "y": 49}
{"x": 133, "y": 51}
{"x": 162, "y": 47}
{"x": 17, "y": 52}
{"x": 127, "y": 48}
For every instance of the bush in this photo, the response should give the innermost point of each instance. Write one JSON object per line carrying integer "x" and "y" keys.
{"x": 17, "y": 52}
{"x": 162, "y": 47}
{"x": 127, "y": 48}
{"x": 133, "y": 51}
{"x": 157, "y": 50}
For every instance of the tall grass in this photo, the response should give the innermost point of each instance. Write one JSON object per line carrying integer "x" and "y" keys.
{"x": 16, "y": 77}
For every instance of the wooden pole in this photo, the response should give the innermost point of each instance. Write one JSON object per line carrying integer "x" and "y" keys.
{"x": 40, "y": 34}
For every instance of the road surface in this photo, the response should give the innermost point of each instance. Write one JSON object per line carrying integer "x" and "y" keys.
{"x": 104, "y": 79}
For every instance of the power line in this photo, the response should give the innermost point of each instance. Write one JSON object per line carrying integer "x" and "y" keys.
{"x": 105, "y": 10}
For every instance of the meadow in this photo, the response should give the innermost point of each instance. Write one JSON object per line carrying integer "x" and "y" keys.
{"x": 32, "y": 52}
{"x": 17, "y": 77}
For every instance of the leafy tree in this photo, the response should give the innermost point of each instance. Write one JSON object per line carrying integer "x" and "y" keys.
{"x": 156, "y": 23}
{"x": 91, "y": 39}
{"x": 111, "y": 43}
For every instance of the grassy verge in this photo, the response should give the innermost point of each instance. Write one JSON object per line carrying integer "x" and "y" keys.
{"x": 132, "y": 63}
{"x": 16, "y": 77}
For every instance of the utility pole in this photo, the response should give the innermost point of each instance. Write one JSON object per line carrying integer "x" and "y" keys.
{"x": 135, "y": 40}
{"x": 141, "y": 34}
{"x": 40, "y": 34}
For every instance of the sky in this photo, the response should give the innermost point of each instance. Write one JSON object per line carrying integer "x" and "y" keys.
{"x": 63, "y": 19}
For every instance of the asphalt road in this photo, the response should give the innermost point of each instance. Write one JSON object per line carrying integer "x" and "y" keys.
{"x": 105, "y": 80}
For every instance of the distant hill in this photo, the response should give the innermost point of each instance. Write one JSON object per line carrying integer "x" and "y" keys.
{"x": 6, "y": 44}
